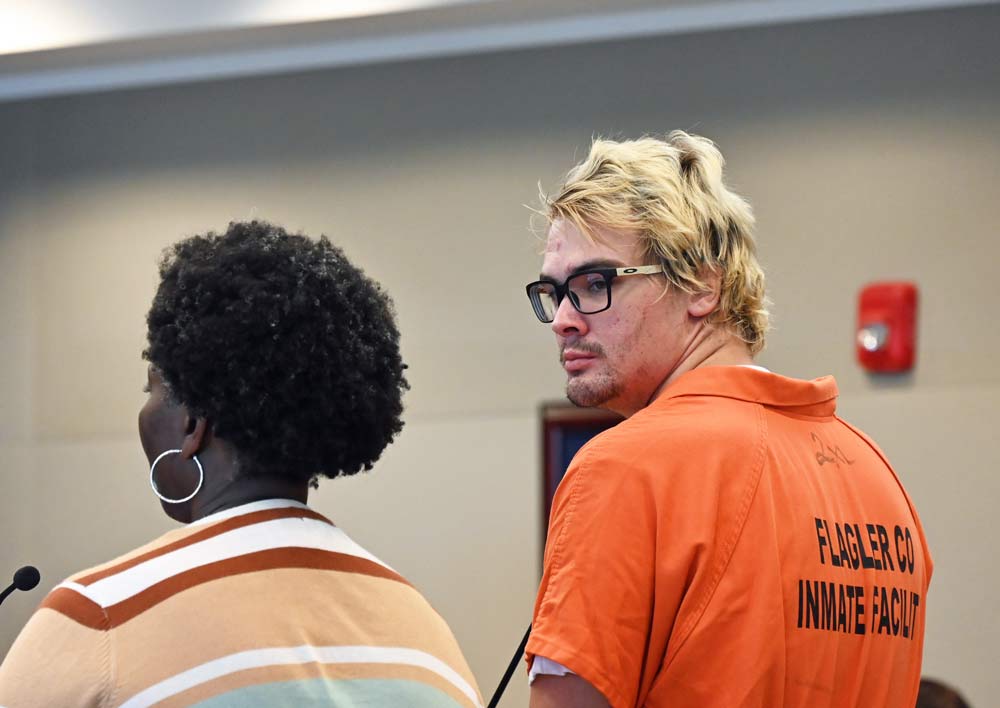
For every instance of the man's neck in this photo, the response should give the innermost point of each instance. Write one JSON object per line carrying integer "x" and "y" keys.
{"x": 717, "y": 347}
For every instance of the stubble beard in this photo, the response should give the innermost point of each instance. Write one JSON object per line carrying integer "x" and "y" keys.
{"x": 590, "y": 391}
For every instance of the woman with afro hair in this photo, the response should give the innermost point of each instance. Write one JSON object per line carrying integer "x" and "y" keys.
{"x": 273, "y": 362}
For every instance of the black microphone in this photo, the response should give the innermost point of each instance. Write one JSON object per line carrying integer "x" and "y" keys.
{"x": 25, "y": 578}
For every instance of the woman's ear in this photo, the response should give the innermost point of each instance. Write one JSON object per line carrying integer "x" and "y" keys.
{"x": 195, "y": 436}
{"x": 704, "y": 302}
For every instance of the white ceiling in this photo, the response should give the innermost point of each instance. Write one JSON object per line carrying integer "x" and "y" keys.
{"x": 50, "y": 47}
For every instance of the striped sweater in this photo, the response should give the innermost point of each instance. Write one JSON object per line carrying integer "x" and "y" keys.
{"x": 268, "y": 604}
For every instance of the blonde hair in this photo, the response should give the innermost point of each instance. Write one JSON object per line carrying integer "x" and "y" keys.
{"x": 671, "y": 194}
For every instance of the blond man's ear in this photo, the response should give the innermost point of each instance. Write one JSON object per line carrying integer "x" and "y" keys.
{"x": 705, "y": 302}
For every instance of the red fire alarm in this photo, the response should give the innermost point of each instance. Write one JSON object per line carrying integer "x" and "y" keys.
{"x": 887, "y": 327}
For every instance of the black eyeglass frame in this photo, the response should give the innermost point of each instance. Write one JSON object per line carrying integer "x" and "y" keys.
{"x": 608, "y": 274}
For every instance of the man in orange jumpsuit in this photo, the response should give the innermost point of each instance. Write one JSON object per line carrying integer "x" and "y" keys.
{"x": 732, "y": 542}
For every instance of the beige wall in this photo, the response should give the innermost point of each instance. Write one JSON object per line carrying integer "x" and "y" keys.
{"x": 869, "y": 148}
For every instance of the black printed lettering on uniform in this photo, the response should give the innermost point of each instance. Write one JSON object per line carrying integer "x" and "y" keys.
{"x": 846, "y": 614}
{"x": 903, "y": 540}
{"x": 828, "y": 605}
{"x": 904, "y": 618}
{"x": 812, "y": 603}
{"x": 866, "y": 560}
{"x": 821, "y": 540}
{"x": 865, "y": 545}
{"x": 799, "y": 624}
{"x": 900, "y": 540}
{"x": 849, "y": 550}
{"x": 895, "y": 610}
{"x": 883, "y": 544}
{"x": 831, "y": 606}
{"x": 873, "y": 542}
{"x": 909, "y": 550}
{"x": 881, "y": 607}
{"x": 859, "y": 609}
{"x": 836, "y": 558}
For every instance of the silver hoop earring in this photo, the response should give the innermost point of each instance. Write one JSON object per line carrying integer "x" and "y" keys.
{"x": 168, "y": 500}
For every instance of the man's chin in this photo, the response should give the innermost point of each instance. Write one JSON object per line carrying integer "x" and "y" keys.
{"x": 587, "y": 395}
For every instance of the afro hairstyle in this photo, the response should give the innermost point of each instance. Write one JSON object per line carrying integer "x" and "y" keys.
{"x": 287, "y": 349}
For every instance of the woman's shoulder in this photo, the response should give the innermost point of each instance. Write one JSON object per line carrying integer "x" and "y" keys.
{"x": 109, "y": 566}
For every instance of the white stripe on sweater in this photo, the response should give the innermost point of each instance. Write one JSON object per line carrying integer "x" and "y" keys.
{"x": 305, "y": 654}
{"x": 277, "y": 533}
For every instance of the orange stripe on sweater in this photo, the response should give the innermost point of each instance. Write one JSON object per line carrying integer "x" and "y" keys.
{"x": 270, "y": 559}
{"x": 76, "y": 607}
{"x": 213, "y": 530}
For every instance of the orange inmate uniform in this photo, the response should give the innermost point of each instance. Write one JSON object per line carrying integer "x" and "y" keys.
{"x": 735, "y": 544}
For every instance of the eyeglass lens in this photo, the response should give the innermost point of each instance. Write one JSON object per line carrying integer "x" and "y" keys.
{"x": 589, "y": 293}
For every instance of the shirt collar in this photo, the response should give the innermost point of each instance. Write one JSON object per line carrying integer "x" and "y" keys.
{"x": 815, "y": 398}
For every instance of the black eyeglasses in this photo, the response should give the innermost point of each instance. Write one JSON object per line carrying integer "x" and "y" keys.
{"x": 589, "y": 291}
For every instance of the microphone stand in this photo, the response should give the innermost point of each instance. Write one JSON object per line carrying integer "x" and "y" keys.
{"x": 510, "y": 670}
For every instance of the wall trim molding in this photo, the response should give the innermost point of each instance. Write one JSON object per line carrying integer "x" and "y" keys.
{"x": 456, "y": 42}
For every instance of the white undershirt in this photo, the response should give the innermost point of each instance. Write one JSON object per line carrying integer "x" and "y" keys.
{"x": 543, "y": 666}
